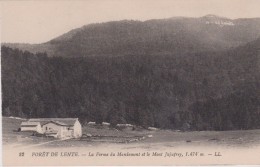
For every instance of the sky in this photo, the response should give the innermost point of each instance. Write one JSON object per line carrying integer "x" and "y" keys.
{"x": 39, "y": 21}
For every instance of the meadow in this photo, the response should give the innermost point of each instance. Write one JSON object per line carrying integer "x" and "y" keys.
{"x": 127, "y": 139}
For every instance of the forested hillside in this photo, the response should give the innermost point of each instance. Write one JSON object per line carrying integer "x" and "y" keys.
{"x": 154, "y": 37}
{"x": 208, "y": 90}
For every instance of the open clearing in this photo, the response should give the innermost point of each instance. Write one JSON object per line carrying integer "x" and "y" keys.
{"x": 127, "y": 139}
{"x": 94, "y": 149}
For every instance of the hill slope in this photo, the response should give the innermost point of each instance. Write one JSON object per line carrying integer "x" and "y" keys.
{"x": 162, "y": 36}
{"x": 208, "y": 90}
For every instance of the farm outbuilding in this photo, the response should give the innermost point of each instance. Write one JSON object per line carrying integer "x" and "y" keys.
{"x": 91, "y": 123}
{"x": 125, "y": 126}
{"x": 31, "y": 126}
{"x": 58, "y": 127}
{"x": 105, "y": 124}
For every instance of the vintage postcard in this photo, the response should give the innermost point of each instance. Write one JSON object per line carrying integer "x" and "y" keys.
{"x": 130, "y": 82}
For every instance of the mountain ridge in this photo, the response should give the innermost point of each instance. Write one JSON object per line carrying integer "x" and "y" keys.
{"x": 156, "y": 36}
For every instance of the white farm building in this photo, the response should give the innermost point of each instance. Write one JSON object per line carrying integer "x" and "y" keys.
{"x": 31, "y": 126}
{"x": 56, "y": 127}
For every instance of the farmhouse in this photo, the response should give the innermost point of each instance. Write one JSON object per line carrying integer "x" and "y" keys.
{"x": 56, "y": 127}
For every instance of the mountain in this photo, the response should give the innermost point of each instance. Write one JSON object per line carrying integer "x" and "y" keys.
{"x": 158, "y": 36}
{"x": 165, "y": 73}
{"x": 208, "y": 90}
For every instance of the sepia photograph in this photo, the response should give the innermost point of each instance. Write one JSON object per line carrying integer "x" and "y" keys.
{"x": 130, "y": 82}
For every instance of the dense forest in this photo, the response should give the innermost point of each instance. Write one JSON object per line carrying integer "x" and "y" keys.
{"x": 207, "y": 90}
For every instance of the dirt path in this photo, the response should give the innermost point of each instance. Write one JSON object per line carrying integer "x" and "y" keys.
{"x": 39, "y": 144}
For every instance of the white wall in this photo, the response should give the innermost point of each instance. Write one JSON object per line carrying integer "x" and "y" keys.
{"x": 39, "y": 129}
{"x": 51, "y": 126}
{"x": 63, "y": 131}
{"x": 29, "y": 128}
{"x": 34, "y": 128}
{"x": 77, "y": 129}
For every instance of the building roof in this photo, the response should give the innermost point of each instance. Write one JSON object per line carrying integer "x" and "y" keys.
{"x": 30, "y": 123}
{"x": 59, "y": 121}
{"x": 56, "y": 122}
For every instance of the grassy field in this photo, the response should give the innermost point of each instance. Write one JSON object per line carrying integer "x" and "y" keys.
{"x": 10, "y": 135}
{"x": 127, "y": 139}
